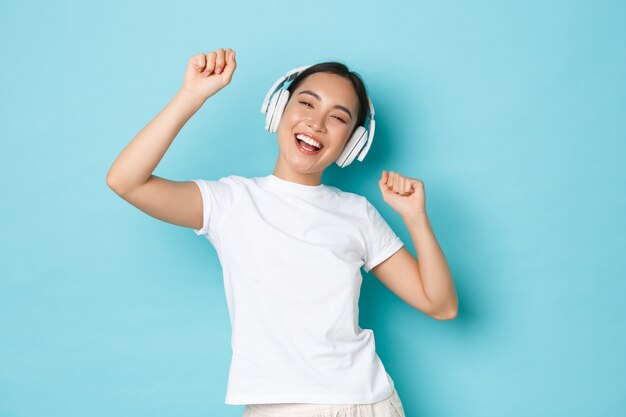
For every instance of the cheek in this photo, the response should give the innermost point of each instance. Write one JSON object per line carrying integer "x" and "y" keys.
{"x": 347, "y": 133}
{"x": 294, "y": 113}
{"x": 287, "y": 119}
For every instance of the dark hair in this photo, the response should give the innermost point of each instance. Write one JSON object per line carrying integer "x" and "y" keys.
{"x": 338, "y": 68}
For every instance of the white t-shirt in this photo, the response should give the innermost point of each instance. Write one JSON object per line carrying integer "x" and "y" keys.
{"x": 291, "y": 256}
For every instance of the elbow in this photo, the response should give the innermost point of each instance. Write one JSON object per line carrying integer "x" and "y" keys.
{"x": 110, "y": 183}
{"x": 113, "y": 185}
{"x": 446, "y": 314}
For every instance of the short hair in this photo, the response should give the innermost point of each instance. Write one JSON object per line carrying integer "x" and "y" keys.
{"x": 338, "y": 68}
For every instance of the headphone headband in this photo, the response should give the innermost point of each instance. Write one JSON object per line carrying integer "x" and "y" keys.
{"x": 290, "y": 76}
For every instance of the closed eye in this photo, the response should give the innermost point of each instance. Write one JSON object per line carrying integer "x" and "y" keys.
{"x": 306, "y": 103}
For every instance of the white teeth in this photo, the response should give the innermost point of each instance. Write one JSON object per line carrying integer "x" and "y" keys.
{"x": 309, "y": 140}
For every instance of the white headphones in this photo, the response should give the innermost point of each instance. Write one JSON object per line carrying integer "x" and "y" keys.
{"x": 358, "y": 144}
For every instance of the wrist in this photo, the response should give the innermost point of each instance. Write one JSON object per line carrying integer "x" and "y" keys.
{"x": 414, "y": 216}
{"x": 190, "y": 97}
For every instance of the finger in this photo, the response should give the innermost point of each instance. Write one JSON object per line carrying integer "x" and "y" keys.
{"x": 383, "y": 179}
{"x": 198, "y": 61}
{"x": 407, "y": 186}
{"x": 230, "y": 66}
{"x": 210, "y": 64}
{"x": 390, "y": 179}
{"x": 382, "y": 183}
{"x": 219, "y": 61}
{"x": 401, "y": 181}
{"x": 394, "y": 181}
{"x": 398, "y": 184}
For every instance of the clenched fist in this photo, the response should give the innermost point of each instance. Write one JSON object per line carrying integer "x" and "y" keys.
{"x": 208, "y": 74}
{"x": 404, "y": 194}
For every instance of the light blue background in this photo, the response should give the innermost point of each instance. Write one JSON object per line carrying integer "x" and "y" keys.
{"x": 512, "y": 113}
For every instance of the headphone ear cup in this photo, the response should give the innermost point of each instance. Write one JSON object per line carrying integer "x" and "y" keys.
{"x": 353, "y": 147}
{"x": 269, "y": 114}
{"x": 277, "y": 112}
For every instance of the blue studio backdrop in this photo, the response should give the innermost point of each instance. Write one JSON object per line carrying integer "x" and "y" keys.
{"x": 512, "y": 113}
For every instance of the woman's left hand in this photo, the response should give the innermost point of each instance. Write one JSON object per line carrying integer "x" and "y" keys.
{"x": 404, "y": 194}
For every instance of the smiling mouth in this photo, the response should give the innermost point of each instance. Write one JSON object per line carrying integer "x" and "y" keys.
{"x": 305, "y": 147}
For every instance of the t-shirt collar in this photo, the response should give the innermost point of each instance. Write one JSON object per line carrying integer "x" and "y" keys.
{"x": 295, "y": 187}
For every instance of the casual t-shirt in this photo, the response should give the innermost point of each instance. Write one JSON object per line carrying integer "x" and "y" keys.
{"x": 291, "y": 256}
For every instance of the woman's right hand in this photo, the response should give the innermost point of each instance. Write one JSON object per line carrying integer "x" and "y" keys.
{"x": 208, "y": 74}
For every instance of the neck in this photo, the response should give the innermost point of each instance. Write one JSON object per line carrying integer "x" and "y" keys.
{"x": 287, "y": 173}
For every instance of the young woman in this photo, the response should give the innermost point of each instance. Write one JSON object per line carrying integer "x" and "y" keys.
{"x": 291, "y": 248}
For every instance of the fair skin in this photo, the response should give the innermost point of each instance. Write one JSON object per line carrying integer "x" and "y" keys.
{"x": 323, "y": 118}
{"x": 425, "y": 284}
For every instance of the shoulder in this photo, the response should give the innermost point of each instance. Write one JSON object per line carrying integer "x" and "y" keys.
{"x": 235, "y": 179}
{"x": 357, "y": 204}
{"x": 227, "y": 181}
{"x": 224, "y": 189}
{"x": 365, "y": 208}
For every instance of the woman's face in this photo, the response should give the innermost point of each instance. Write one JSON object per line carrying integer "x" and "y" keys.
{"x": 324, "y": 106}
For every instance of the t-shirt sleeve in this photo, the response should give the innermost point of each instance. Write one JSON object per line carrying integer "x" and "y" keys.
{"x": 380, "y": 240}
{"x": 217, "y": 198}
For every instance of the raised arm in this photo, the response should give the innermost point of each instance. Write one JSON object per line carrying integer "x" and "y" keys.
{"x": 425, "y": 283}
{"x": 130, "y": 176}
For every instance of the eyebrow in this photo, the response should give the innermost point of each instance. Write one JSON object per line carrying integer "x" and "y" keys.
{"x": 336, "y": 106}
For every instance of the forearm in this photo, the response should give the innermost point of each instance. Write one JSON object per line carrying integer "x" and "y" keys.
{"x": 433, "y": 267}
{"x": 135, "y": 164}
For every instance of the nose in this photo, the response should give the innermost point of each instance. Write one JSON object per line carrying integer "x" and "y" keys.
{"x": 316, "y": 122}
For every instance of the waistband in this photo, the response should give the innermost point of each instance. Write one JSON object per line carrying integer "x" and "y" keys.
{"x": 305, "y": 409}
